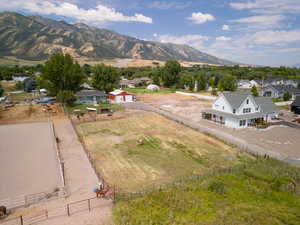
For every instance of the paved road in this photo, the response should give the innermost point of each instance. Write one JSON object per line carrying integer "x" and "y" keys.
{"x": 289, "y": 124}
{"x": 226, "y": 136}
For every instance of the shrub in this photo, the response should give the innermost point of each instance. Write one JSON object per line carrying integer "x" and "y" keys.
{"x": 217, "y": 187}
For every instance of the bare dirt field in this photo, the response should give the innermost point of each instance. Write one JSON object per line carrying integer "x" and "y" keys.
{"x": 28, "y": 160}
{"x": 29, "y": 113}
{"x": 186, "y": 106}
{"x": 145, "y": 149}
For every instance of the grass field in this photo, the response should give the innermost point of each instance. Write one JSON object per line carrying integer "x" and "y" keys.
{"x": 145, "y": 149}
{"x": 261, "y": 192}
{"x": 12, "y": 61}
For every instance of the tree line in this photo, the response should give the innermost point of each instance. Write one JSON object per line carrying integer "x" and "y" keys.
{"x": 62, "y": 76}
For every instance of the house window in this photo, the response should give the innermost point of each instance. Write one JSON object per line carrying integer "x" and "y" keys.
{"x": 247, "y": 110}
{"x": 234, "y": 110}
{"x": 223, "y": 107}
{"x": 242, "y": 123}
{"x": 247, "y": 102}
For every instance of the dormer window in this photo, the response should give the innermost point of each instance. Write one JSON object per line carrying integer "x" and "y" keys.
{"x": 234, "y": 111}
{"x": 223, "y": 107}
{"x": 247, "y": 102}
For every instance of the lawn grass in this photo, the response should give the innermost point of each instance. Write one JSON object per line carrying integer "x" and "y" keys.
{"x": 144, "y": 149}
{"x": 20, "y": 96}
{"x": 146, "y": 91}
{"x": 255, "y": 192}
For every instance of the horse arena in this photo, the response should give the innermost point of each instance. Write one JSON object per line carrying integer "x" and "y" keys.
{"x": 29, "y": 163}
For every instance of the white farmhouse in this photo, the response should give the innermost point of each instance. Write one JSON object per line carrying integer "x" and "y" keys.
{"x": 241, "y": 110}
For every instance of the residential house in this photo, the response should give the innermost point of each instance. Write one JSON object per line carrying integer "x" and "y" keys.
{"x": 256, "y": 83}
{"x": 91, "y": 97}
{"x": 142, "y": 81}
{"x": 292, "y": 82}
{"x": 119, "y": 96}
{"x": 244, "y": 84}
{"x": 277, "y": 91}
{"x": 19, "y": 77}
{"x": 274, "y": 81}
{"x": 241, "y": 110}
{"x": 295, "y": 106}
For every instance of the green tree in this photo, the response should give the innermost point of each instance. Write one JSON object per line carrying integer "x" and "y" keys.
{"x": 170, "y": 73}
{"x": 202, "y": 81}
{"x": 66, "y": 96}
{"x": 211, "y": 82}
{"x": 254, "y": 91}
{"x": 227, "y": 83}
{"x": 1, "y": 91}
{"x": 187, "y": 80}
{"x": 105, "y": 78}
{"x": 19, "y": 85}
{"x": 287, "y": 96}
{"x": 62, "y": 73}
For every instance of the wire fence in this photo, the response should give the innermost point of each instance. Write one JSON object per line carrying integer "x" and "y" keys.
{"x": 67, "y": 210}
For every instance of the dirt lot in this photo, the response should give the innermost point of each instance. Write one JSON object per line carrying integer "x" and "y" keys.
{"x": 28, "y": 155}
{"x": 185, "y": 106}
{"x": 145, "y": 148}
{"x": 30, "y": 113}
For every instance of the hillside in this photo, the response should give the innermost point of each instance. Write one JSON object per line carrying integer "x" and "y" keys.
{"x": 36, "y": 38}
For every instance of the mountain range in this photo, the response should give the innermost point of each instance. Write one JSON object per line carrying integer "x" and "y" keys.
{"x": 35, "y": 38}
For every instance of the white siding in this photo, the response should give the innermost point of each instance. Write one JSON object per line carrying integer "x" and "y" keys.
{"x": 244, "y": 105}
{"x": 221, "y": 104}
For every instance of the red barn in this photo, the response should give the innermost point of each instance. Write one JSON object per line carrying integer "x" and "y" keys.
{"x": 119, "y": 96}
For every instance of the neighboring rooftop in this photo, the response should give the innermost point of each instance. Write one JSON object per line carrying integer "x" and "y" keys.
{"x": 91, "y": 93}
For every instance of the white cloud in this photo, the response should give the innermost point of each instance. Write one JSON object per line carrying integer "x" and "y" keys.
{"x": 225, "y": 27}
{"x": 262, "y": 21}
{"x": 98, "y": 15}
{"x": 169, "y": 5}
{"x": 268, "y": 6}
{"x": 194, "y": 40}
{"x": 199, "y": 18}
{"x": 276, "y": 37}
{"x": 222, "y": 38}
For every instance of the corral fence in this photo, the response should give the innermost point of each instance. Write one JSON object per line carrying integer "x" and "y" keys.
{"x": 67, "y": 210}
{"x": 27, "y": 200}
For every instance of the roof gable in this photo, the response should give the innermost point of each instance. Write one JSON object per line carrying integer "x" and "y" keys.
{"x": 235, "y": 99}
{"x": 266, "y": 104}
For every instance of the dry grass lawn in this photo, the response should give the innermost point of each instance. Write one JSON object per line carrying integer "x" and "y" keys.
{"x": 145, "y": 149}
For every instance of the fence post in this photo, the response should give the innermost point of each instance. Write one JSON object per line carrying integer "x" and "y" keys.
{"x": 68, "y": 209}
{"x": 89, "y": 204}
{"x": 21, "y": 220}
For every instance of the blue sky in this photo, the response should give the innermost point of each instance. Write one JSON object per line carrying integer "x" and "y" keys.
{"x": 263, "y": 32}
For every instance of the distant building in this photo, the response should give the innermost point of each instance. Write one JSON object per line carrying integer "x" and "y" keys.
{"x": 91, "y": 97}
{"x": 244, "y": 84}
{"x": 277, "y": 91}
{"x": 142, "y": 81}
{"x": 295, "y": 106}
{"x": 241, "y": 110}
{"x": 119, "y": 96}
{"x": 19, "y": 77}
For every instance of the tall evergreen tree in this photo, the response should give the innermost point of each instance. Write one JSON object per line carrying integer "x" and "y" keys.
{"x": 254, "y": 91}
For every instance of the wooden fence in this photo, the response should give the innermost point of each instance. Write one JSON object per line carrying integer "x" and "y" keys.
{"x": 67, "y": 210}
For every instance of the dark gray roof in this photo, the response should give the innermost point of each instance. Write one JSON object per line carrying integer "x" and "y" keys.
{"x": 266, "y": 104}
{"x": 91, "y": 93}
{"x": 235, "y": 99}
{"x": 297, "y": 101}
{"x": 284, "y": 88}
